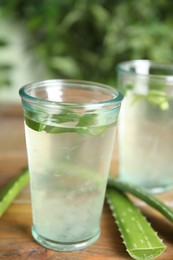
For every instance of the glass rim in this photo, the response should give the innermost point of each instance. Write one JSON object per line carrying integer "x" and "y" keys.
{"x": 116, "y": 100}
{"x": 126, "y": 67}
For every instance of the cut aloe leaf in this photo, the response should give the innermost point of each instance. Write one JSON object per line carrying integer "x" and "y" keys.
{"x": 143, "y": 195}
{"x": 140, "y": 239}
{"x": 12, "y": 189}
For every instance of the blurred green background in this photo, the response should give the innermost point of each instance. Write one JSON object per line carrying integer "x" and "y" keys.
{"x": 79, "y": 39}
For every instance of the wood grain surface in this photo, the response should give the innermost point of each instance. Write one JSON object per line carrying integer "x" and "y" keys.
{"x": 16, "y": 241}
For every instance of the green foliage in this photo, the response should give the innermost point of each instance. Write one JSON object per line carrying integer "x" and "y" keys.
{"x": 86, "y": 39}
{"x": 5, "y": 66}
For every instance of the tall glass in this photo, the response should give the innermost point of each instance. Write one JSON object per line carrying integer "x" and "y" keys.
{"x": 70, "y": 130}
{"x": 146, "y": 125}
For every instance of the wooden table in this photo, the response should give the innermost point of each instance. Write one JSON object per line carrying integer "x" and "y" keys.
{"x": 16, "y": 241}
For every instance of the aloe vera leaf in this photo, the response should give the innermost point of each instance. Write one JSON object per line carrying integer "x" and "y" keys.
{"x": 140, "y": 239}
{"x": 12, "y": 189}
{"x": 143, "y": 195}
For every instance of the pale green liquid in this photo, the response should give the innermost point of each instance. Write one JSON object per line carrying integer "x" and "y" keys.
{"x": 146, "y": 145}
{"x": 68, "y": 173}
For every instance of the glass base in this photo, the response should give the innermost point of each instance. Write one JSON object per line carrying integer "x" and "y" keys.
{"x": 158, "y": 190}
{"x": 62, "y": 246}
{"x": 151, "y": 187}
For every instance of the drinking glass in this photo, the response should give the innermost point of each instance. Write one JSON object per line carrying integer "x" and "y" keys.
{"x": 70, "y": 129}
{"x": 145, "y": 133}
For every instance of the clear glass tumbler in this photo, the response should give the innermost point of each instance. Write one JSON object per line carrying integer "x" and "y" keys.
{"x": 145, "y": 133}
{"x": 70, "y": 130}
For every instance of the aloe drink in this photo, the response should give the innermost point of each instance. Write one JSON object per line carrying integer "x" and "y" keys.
{"x": 67, "y": 179}
{"x": 146, "y": 132}
{"x": 70, "y": 137}
{"x": 146, "y": 125}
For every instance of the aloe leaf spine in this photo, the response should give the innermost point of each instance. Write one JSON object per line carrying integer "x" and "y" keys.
{"x": 140, "y": 239}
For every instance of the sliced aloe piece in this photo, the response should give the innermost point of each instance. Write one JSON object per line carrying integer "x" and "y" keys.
{"x": 154, "y": 97}
{"x": 12, "y": 189}
{"x": 90, "y": 124}
{"x": 140, "y": 239}
{"x": 34, "y": 125}
{"x": 143, "y": 195}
